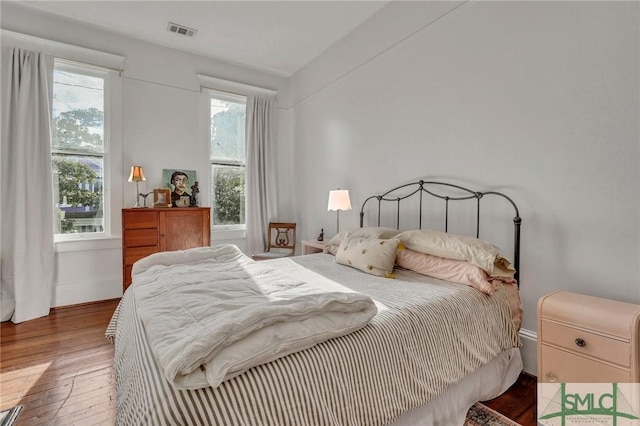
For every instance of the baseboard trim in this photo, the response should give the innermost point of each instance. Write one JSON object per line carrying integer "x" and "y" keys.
{"x": 529, "y": 351}
{"x": 74, "y": 293}
{"x": 79, "y": 305}
{"x": 528, "y": 334}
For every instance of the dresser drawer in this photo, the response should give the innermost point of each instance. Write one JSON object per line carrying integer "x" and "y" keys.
{"x": 131, "y": 255}
{"x": 140, "y": 219}
{"x": 566, "y": 367}
{"x": 140, "y": 237}
{"x": 605, "y": 348}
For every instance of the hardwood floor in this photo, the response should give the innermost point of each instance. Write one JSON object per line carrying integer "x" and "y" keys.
{"x": 519, "y": 402}
{"x": 60, "y": 369}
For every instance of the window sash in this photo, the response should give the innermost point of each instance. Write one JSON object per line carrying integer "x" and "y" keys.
{"x": 228, "y": 213}
{"x": 103, "y": 155}
{"x": 226, "y": 163}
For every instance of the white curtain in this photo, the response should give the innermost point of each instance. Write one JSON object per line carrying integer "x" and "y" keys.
{"x": 26, "y": 197}
{"x": 261, "y": 170}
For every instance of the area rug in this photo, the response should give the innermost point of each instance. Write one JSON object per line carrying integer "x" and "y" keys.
{"x": 481, "y": 415}
{"x": 7, "y": 417}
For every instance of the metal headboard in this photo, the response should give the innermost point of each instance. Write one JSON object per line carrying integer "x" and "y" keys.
{"x": 420, "y": 188}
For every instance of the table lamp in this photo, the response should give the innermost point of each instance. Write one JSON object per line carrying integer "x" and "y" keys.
{"x": 339, "y": 200}
{"x": 137, "y": 175}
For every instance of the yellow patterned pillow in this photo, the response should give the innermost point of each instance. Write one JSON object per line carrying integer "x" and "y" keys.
{"x": 367, "y": 232}
{"x": 373, "y": 256}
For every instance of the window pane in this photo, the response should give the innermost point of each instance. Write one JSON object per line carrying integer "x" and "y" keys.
{"x": 228, "y": 194}
{"x": 227, "y": 131}
{"x": 78, "y": 112}
{"x": 78, "y": 187}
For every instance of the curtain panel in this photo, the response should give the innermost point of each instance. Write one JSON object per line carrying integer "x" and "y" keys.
{"x": 26, "y": 196}
{"x": 261, "y": 170}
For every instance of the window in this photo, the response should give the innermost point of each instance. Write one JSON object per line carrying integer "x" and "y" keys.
{"x": 228, "y": 160}
{"x": 79, "y": 149}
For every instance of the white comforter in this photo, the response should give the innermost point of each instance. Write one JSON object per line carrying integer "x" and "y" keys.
{"x": 211, "y": 313}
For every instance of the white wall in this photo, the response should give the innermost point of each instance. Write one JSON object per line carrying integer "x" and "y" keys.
{"x": 539, "y": 100}
{"x": 164, "y": 126}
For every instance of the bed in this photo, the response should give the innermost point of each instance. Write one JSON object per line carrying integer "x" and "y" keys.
{"x": 409, "y": 348}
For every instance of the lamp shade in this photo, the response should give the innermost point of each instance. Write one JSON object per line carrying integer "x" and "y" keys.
{"x": 137, "y": 175}
{"x": 339, "y": 200}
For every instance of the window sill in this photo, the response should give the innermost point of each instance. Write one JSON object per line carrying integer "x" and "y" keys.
{"x": 228, "y": 234}
{"x": 102, "y": 243}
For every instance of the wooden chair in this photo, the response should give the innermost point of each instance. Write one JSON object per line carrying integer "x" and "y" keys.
{"x": 281, "y": 241}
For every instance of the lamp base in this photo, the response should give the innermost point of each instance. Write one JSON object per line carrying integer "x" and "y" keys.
{"x": 137, "y": 205}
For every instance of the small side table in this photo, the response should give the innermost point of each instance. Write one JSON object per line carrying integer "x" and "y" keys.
{"x": 313, "y": 246}
{"x": 586, "y": 339}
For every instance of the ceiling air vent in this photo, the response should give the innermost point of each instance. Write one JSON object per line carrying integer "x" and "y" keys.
{"x": 181, "y": 29}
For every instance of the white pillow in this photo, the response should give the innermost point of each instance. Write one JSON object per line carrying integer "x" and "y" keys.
{"x": 371, "y": 255}
{"x": 478, "y": 252}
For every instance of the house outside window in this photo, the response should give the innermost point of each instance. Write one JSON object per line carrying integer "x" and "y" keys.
{"x": 79, "y": 150}
{"x": 228, "y": 160}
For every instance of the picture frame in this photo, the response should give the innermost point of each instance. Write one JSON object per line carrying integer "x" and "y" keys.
{"x": 183, "y": 201}
{"x": 161, "y": 197}
{"x": 180, "y": 183}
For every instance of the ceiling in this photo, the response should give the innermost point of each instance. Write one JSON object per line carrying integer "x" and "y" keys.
{"x": 279, "y": 37}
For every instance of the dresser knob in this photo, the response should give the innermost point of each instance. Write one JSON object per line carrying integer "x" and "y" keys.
{"x": 161, "y": 235}
{"x": 580, "y": 342}
{"x": 550, "y": 377}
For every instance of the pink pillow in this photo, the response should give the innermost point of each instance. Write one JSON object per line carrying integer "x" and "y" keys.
{"x": 457, "y": 271}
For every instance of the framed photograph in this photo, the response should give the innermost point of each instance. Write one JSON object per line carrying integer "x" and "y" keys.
{"x": 180, "y": 183}
{"x": 183, "y": 201}
{"x": 161, "y": 198}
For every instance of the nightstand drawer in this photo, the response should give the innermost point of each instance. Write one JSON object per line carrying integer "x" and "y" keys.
{"x": 564, "y": 367}
{"x": 586, "y": 343}
{"x": 585, "y": 339}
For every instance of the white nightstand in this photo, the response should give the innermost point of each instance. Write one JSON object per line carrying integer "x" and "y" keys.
{"x": 584, "y": 339}
{"x": 313, "y": 246}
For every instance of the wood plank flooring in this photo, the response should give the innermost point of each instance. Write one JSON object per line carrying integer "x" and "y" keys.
{"x": 60, "y": 368}
{"x": 519, "y": 402}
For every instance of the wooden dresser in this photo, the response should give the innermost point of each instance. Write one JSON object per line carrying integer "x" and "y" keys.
{"x": 585, "y": 339}
{"x": 149, "y": 230}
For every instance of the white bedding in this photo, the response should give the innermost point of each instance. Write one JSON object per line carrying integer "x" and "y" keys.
{"x": 426, "y": 339}
{"x": 212, "y": 313}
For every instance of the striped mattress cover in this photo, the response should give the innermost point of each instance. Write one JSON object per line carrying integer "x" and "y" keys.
{"x": 427, "y": 335}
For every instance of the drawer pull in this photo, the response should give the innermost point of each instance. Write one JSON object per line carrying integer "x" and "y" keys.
{"x": 580, "y": 342}
{"x": 551, "y": 378}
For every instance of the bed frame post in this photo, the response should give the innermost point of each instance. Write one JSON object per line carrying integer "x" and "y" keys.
{"x": 478, "y": 197}
{"x": 516, "y": 247}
